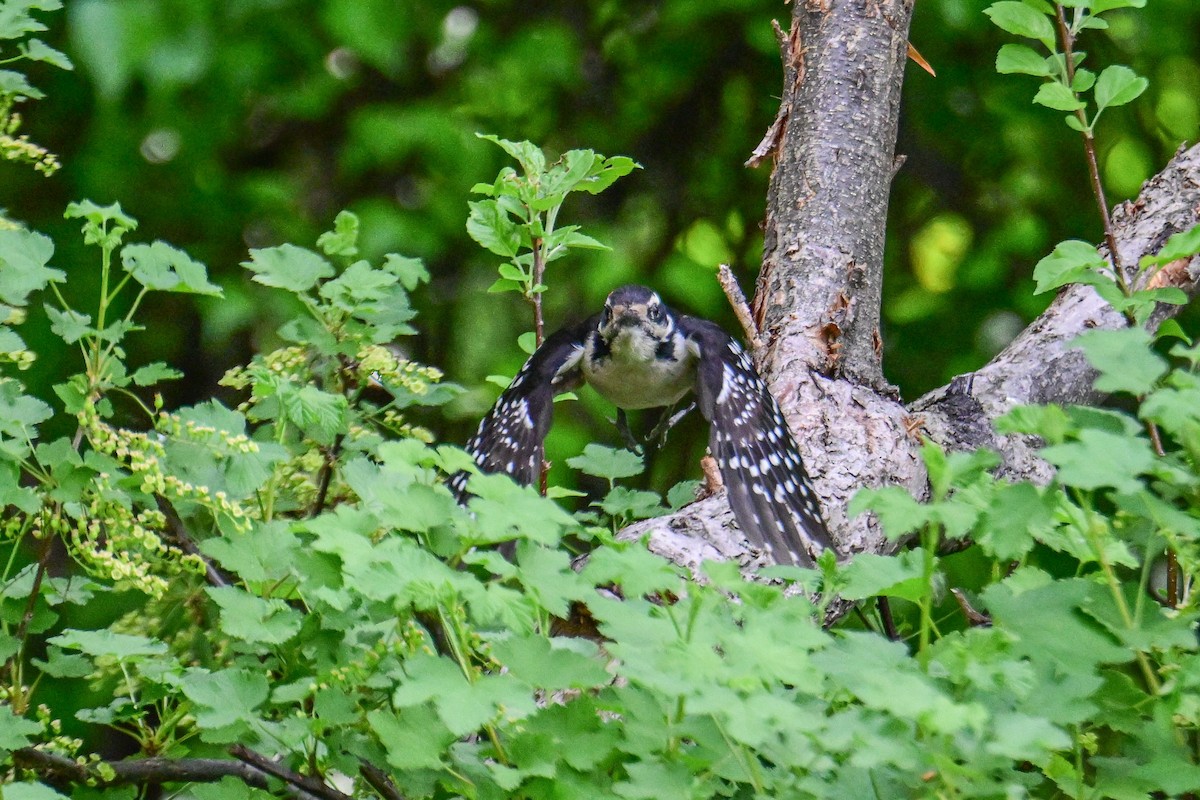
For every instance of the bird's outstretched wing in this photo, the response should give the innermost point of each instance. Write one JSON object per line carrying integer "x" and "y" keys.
{"x": 510, "y": 437}
{"x": 771, "y": 494}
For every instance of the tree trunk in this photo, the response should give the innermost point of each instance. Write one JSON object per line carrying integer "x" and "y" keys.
{"x": 818, "y": 295}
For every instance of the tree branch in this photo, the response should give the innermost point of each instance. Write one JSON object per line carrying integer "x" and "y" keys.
{"x": 60, "y": 770}
{"x": 183, "y": 540}
{"x": 819, "y": 291}
{"x": 818, "y": 299}
{"x": 298, "y": 784}
{"x": 379, "y": 781}
{"x": 854, "y": 436}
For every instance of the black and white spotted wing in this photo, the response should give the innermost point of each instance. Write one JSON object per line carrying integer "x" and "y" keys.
{"x": 510, "y": 437}
{"x": 769, "y": 490}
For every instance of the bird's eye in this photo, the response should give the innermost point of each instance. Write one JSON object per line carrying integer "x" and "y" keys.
{"x": 655, "y": 313}
{"x": 607, "y": 314}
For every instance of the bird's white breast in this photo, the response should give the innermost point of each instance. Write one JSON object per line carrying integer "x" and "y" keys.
{"x": 632, "y": 375}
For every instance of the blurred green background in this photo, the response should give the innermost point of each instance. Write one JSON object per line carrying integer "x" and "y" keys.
{"x": 228, "y": 124}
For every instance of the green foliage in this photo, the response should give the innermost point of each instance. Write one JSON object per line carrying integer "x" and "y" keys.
{"x": 363, "y": 617}
{"x": 1068, "y": 84}
{"x": 16, "y": 23}
{"x": 519, "y": 220}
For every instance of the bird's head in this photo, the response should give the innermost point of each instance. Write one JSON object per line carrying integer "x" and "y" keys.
{"x": 636, "y": 312}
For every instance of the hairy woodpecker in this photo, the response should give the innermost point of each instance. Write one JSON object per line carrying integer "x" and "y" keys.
{"x": 638, "y": 353}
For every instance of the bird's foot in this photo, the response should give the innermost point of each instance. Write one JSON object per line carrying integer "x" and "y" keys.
{"x": 669, "y": 419}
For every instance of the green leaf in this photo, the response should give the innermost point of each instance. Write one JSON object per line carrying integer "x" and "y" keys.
{"x": 359, "y": 285}
{"x": 410, "y": 271}
{"x": 12, "y": 493}
{"x": 1084, "y": 79}
{"x": 37, "y": 50}
{"x": 265, "y": 554}
{"x": 288, "y": 267}
{"x": 527, "y": 154}
{"x": 254, "y": 619}
{"x": 606, "y": 173}
{"x": 1124, "y": 358}
{"x": 63, "y": 665}
{"x": 106, "y": 643}
{"x": 103, "y": 225}
{"x": 1072, "y": 261}
{"x": 632, "y": 567}
{"x": 23, "y": 270}
{"x": 154, "y": 373}
{"x": 69, "y": 325}
{"x": 1021, "y": 20}
{"x": 15, "y": 20}
{"x": 1074, "y": 124}
{"x": 164, "y": 268}
{"x": 1171, "y": 329}
{"x": 1101, "y": 459}
{"x": 1181, "y": 245}
{"x": 626, "y": 503}
{"x": 1007, "y": 528}
{"x": 681, "y": 494}
{"x": 653, "y": 779}
{"x": 319, "y": 414}
{"x": 869, "y": 575}
{"x": 607, "y": 462}
{"x": 1021, "y": 59}
{"x": 1022, "y": 737}
{"x": 898, "y": 512}
{"x": 343, "y": 239}
{"x": 527, "y": 341}
{"x": 1100, "y": 6}
{"x": 1054, "y": 95}
{"x": 226, "y": 697}
{"x": 414, "y": 738}
{"x": 14, "y": 84}
{"x": 27, "y": 790}
{"x": 1118, "y": 85}
{"x": 1047, "y": 625}
{"x": 15, "y": 732}
{"x": 553, "y": 664}
{"x": 492, "y": 228}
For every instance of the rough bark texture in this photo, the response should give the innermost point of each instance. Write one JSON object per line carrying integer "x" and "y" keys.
{"x": 818, "y": 294}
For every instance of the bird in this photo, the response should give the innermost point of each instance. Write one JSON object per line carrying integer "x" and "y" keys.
{"x": 638, "y": 353}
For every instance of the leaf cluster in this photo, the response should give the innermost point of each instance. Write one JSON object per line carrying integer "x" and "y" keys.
{"x": 16, "y": 24}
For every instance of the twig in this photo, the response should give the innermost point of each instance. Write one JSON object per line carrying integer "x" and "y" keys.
{"x": 181, "y": 539}
{"x": 331, "y": 457}
{"x": 539, "y": 272}
{"x": 43, "y": 563}
{"x": 308, "y": 785}
{"x": 885, "y": 616}
{"x": 712, "y": 475}
{"x": 379, "y": 781}
{"x": 975, "y": 618}
{"x": 741, "y": 309}
{"x": 792, "y": 75}
{"x": 138, "y": 771}
{"x": 1089, "y": 146}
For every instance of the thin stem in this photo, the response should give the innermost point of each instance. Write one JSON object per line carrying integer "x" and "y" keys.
{"x": 929, "y": 566}
{"x": 886, "y": 619}
{"x": 539, "y": 271}
{"x": 1115, "y": 589}
{"x": 1089, "y": 145}
{"x": 1172, "y": 561}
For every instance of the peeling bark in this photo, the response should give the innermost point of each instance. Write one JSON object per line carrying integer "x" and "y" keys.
{"x": 818, "y": 297}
